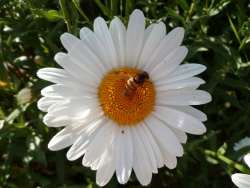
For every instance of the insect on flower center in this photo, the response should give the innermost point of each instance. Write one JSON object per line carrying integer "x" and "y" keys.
{"x": 127, "y": 95}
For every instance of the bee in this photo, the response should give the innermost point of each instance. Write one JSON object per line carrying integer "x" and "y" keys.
{"x": 133, "y": 83}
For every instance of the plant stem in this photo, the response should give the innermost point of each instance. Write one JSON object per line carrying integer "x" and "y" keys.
{"x": 66, "y": 16}
{"x": 82, "y": 13}
{"x": 228, "y": 161}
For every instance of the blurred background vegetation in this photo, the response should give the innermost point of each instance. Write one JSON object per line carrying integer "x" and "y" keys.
{"x": 217, "y": 36}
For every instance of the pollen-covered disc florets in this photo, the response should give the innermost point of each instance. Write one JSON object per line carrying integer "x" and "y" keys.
{"x": 121, "y": 109}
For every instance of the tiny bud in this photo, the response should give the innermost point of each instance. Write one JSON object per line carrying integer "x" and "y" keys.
{"x": 25, "y": 95}
{"x": 38, "y": 59}
{"x": 227, "y": 104}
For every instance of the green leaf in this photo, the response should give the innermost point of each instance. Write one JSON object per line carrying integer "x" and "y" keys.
{"x": 18, "y": 149}
{"x": 3, "y": 71}
{"x": 183, "y": 4}
{"x": 217, "y": 77}
{"x": 243, "y": 65}
{"x": 104, "y": 9}
{"x": 8, "y": 21}
{"x": 174, "y": 14}
{"x": 60, "y": 166}
{"x": 38, "y": 177}
{"x": 41, "y": 157}
{"x": 234, "y": 29}
{"x": 211, "y": 160}
{"x": 219, "y": 7}
{"x": 51, "y": 15}
{"x": 15, "y": 113}
{"x": 235, "y": 83}
{"x": 222, "y": 150}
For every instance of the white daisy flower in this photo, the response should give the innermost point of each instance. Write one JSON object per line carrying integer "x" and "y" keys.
{"x": 241, "y": 144}
{"x": 117, "y": 117}
{"x": 241, "y": 180}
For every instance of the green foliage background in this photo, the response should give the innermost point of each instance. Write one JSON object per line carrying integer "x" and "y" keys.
{"x": 217, "y": 34}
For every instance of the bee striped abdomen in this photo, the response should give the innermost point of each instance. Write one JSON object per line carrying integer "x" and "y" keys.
{"x": 133, "y": 83}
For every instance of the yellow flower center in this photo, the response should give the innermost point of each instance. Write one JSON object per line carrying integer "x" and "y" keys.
{"x": 126, "y": 109}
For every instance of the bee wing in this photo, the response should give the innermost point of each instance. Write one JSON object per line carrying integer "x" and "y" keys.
{"x": 127, "y": 92}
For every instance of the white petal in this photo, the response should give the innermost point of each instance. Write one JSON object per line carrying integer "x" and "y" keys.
{"x": 241, "y": 180}
{"x": 104, "y": 158}
{"x": 62, "y": 77}
{"x": 106, "y": 171}
{"x": 118, "y": 34}
{"x": 59, "y": 120}
{"x": 110, "y": 150}
{"x": 73, "y": 107}
{"x": 188, "y": 82}
{"x": 247, "y": 159}
{"x": 61, "y": 92}
{"x": 91, "y": 40}
{"x": 62, "y": 139}
{"x": 148, "y": 31}
{"x": 183, "y": 97}
{"x": 191, "y": 111}
{"x": 242, "y": 143}
{"x": 179, "y": 120}
{"x": 155, "y": 37}
{"x": 100, "y": 143}
{"x": 182, "y": 72}
{"x": 71, "y": 133}
{"x": 59, "y": 76}
{"x": 154, "y": 146}
{"x": 78, "y": 69}
{"x": 100, "y": 161}
{"x": 148, "y": 148}
{"x": 164, "y": 136}
{"x": 181, "y": 135}
{"x": 77, "y": 49}
{"x": 134, "y": 38}
{"x": 141, "y": 164}
{"x": 45, "y": 102}
{"x": 124, "y": 155}
{"x": 169, "y": 64}
{"x": 102, "y": 32}
{"x": 87, "y": 133}
{"x": 169, "y": 159}
{"x": 171, "y": 41}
